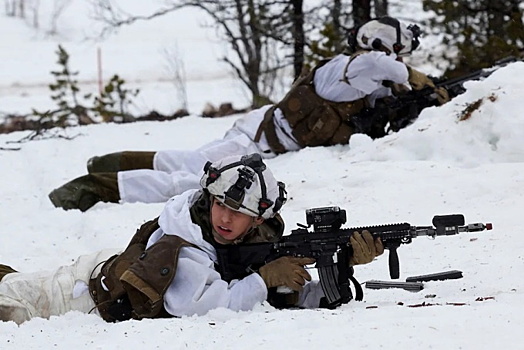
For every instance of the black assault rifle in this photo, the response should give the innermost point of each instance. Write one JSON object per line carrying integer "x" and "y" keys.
{"x": 329, "y": 245}
{"x": 401, "y": 111}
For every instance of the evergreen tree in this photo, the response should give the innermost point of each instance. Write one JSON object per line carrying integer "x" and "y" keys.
{"x": 65, "y": 93}
{"x": 110, "y": 106}
{"x": 482, "y": 31}
{"x": 113, "y": 103}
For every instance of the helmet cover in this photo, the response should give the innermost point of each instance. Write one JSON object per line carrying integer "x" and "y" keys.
{"x": 244, "y": 184}
{"x": 387, "y": 32}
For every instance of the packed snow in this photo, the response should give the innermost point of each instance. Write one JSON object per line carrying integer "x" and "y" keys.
{"x": 447, "y": 162}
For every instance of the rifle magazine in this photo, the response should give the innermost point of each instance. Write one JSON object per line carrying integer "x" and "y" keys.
{"x": 409, "y": 286}
{"x": 439, "y": 276}
{"x": 328, "y": 280}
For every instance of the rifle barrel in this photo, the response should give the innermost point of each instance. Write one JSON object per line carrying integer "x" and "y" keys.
{"x": 449, "y": 230}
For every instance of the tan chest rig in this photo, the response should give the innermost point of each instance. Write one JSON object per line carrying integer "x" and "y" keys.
{"x": 315, "y": 121}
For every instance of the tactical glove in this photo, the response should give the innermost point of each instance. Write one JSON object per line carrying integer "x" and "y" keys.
{"x": 419, "y": 80}
{"x": 365, "y": 248}
{"x": 442, "y": 95}
{"x": 400, "y": 89}
{"x": 286, "y": 271}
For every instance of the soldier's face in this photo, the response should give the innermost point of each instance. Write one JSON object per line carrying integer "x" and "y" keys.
{"x": 229, "y": 225}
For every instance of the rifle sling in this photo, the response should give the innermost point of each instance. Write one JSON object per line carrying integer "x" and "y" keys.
{"x": 268, "y": 127}
{"x": 346, "y": 277}
{"x": 359, "y": 293}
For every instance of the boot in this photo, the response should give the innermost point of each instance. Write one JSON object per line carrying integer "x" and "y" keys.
{"x": 120, "y": 161}
{"x": 4, "y": 270}
{"x": 85, "y": 191}
{"x": 13, "y": 310}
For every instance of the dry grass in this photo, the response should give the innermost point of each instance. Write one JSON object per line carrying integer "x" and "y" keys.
{"x": 473, "y": 106}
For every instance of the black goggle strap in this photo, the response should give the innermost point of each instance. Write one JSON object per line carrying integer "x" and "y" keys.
{"x": 264, "y": 203}
{"x": 397, "y": 47}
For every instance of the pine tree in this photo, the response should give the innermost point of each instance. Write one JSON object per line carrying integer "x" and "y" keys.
{"x": 482, "y": 31}
{"x": 110, "y": 106}
{"x": 113, "y": 103}
{"x": 65, "y": 93}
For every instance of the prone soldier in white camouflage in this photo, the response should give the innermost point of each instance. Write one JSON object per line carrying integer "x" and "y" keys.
{"x": 317, "y": 111}
{"x": 171, "y": 265}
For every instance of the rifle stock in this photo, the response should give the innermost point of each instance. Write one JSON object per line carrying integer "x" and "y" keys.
{"x": 328, "y": 241}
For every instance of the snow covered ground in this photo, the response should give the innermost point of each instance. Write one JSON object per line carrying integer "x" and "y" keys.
{"x": 143, "y": 55}
{"x": 438, "y": 165}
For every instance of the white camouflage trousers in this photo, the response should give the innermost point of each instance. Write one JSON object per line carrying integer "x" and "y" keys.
{"x": 50, "y": 293}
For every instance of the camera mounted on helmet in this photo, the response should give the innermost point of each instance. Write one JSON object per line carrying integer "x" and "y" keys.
{"x": 235, "y": 194}
{"x": 415, "y": 42}
{"x": 231, "y": 182}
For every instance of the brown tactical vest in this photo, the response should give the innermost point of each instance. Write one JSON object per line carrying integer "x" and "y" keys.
{"x": 140, "y": 277}
{"x": 315, "y": 121}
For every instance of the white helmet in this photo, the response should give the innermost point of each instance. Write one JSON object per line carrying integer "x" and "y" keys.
{"x": 244, "y": 184}
{"x": 388, "y": 33}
